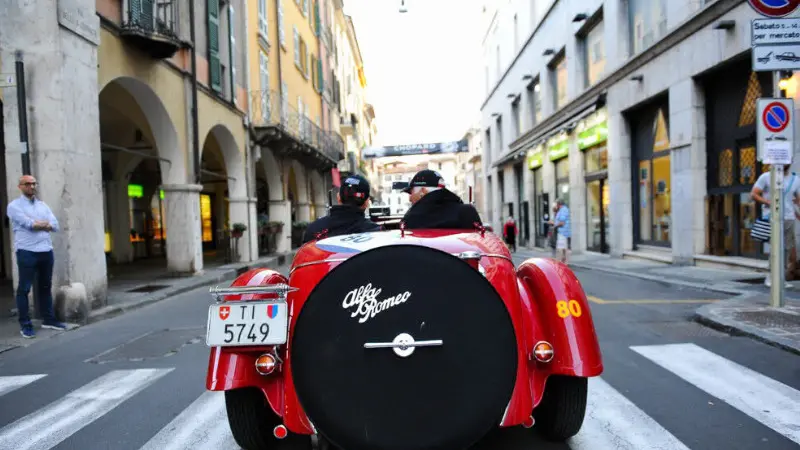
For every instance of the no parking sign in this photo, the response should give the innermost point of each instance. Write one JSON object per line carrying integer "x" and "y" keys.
{"x": 775, "y": 130}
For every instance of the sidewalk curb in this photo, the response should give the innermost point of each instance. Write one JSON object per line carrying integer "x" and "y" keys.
{"x": 705, "y": 316}
{"x": 660, "y": 279}
{"x": 201, "y": 281}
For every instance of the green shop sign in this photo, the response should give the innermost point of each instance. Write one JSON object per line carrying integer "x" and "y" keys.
{"x": 535, "y": 158}
{"x": 593, "y": 136}
{"x": 558, "y": 147}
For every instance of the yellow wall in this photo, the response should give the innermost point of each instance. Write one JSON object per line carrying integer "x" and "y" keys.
{"x": 297, "y": 83}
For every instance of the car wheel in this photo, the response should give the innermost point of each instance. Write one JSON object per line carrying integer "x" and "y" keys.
{"x": 560, "y": 414}
{"x": 251, "y": 419}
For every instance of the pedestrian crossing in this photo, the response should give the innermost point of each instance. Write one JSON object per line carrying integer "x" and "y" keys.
{"x": 613, "y": 421}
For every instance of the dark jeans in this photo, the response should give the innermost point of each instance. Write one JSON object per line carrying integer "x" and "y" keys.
{"x": 30, "y": 265}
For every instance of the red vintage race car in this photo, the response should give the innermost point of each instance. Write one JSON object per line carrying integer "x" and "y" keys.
{"x": 424, "y": 339}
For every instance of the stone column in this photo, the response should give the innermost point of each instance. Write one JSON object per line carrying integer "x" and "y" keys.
{"x": 61, "y": 85}
{"x": 281, "y": 211}
{"x": 303, "y": 212}
{"x": 239, "y": 213}
{"x": 119, "y": 216}
{"x": 577, "y": 196}
{"x": 620, "y": 237}
{"x": 321, "y": 209}
{"x": 184, "y": 238}
{"x": 253, "y": 214}
{"x": 687, "y": 136}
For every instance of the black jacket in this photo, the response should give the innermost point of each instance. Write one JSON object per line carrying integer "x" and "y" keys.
{"x": 343, "y": 219}
{"x": 442, "y": 209}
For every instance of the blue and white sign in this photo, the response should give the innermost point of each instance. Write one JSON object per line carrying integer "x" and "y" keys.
{"x": 774, "y": 8}
{"x": 775, "y": 128}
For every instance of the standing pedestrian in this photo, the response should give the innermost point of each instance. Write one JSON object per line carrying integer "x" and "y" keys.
{"x": 32, "y": 221}
{"x": 791, "y": 197}
{"x": 563, "y": 230}
{"x": 510, "y": 232}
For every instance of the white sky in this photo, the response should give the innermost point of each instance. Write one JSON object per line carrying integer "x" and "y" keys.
{"x": 422, "y": 67}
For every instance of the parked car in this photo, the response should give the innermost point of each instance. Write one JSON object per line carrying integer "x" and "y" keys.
{"x": 402, "y": 340}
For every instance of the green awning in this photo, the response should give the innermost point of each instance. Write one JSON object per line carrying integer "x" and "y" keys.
{"x": 535, "y": 158}
{"x": 558, "y": 147}
{"x": 593, "y": 136}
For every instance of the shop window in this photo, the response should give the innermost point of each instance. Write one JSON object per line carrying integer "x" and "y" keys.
{"x": 205, "y": 218}
{"x": 748, "y": 113}
{"x": 596, "y": 159}
{"x": 725, "y": 171}
{"x": 562, "y": 179}
{"x": 747, "y": 165}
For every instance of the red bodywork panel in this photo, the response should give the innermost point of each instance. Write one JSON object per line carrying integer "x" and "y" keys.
{"x": 531, "y": 292}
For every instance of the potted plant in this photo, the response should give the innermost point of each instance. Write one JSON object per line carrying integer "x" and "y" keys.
{"x": 275, "y": 226}
{"x": 238, "y": 229}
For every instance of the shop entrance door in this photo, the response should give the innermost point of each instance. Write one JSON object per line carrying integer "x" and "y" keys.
{"x": 597, "y": 211}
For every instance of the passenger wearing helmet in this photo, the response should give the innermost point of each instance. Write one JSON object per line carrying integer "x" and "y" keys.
{"x": 348, "y": 216}
{"x": 434, "y": 206}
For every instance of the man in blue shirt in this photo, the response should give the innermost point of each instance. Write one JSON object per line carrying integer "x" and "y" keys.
{"x": 32, "y": 221}
{"x": 564, "y": 230}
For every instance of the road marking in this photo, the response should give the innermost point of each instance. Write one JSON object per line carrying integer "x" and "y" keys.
{"x": 614, "y": 423}
{"x": 51, "y": 425}
{"x": 12, "y": 383}
{"x": 202, "y": 425}
{"x": 770, "y": 402}
{"x": 600, "y": 301}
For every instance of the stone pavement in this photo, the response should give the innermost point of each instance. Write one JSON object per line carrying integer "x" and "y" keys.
{"x": 746, "y": 312}
{"x": 135, "y": 289}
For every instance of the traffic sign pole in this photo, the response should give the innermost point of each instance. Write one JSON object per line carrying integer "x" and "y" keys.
{"x": 776, "y": 253}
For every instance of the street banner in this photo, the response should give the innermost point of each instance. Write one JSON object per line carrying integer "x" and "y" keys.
{"x": 416, "y": 149}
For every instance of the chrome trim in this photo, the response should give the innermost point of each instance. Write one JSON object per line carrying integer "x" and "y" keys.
{"x": 470, "y": 255}
{"x": 404, "y": 344}
{"x": 551, "y": 352}
{"x": 317, "y": 262}
{"x": 281, "y": 289}
{"x": 497, "y": 255}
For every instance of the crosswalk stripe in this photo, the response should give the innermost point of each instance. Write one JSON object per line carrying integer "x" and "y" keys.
{"x": 11, "y": 383}
{"x": 614, "y": 423}
{"x": 202, "y": 425}
{"x": 49, "y": 426}
{"x": 768, "y": 401}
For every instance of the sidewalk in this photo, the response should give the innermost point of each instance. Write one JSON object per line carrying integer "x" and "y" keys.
{"x": 136, "y": 289}
{"x": 746, "y": 312}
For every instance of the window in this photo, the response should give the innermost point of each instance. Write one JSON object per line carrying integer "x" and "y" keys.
{"x": 515, "y": 114}
{"x": 648, "y": 23}
{"x": 263, "y": 71}
{"x": 499, "y": 124}
{"x": 296, "y": 46}
{"x": 305, "y": 8}
{"x": 516, "y": 33}
{"x": 314, "y": 75}
{"x": 559, "y": 71}
{"x": 535, "y": 102}
{"x": 497, "y": 62}
{"x": 595, "y": 55}
{"x": 281, "y": 37}
{"x": 262, "y": 18}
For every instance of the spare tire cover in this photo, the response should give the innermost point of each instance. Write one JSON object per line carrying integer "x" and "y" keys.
{"x": 439, "y": 397}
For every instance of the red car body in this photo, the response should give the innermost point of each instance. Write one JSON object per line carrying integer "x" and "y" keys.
{"x": 543, "y": 298}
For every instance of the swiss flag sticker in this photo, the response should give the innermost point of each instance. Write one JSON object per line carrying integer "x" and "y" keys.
{"x": 224, "y": 312}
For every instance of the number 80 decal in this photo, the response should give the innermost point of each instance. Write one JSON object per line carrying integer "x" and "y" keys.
{"x": 566, "y": 309}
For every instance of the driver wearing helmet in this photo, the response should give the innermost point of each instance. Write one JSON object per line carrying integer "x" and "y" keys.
{"x": 434, "y": 206}
{"x": 348, "y": 216}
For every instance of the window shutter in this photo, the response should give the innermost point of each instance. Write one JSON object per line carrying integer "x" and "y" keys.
{"x": 232, "y": 50}
{"x": 281, "y": 37}
{"x": 320, "y": 76}
{"x": 146, "y": 14}
{"x": 317, "y": 24}
{"x": 214, "y": 65}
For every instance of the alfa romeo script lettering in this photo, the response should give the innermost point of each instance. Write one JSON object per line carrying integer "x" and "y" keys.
{"x": 366, "y": 302}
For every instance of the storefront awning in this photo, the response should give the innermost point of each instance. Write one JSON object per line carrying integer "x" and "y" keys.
{"x": 568, "y": 121}
{"x": 509, "y": 157}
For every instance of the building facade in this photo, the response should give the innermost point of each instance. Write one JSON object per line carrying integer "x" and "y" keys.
{"x": 472, "y": 169}
{"x": 170, "y": 134}
{"x": 640, "y": 114}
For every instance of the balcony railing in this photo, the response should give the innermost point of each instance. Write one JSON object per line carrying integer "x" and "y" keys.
{"x": 151, "y": 24}
{"x": 267, "y": 110}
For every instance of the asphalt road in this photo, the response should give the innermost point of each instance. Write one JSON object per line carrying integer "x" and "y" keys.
{"x": 138, "y": 381}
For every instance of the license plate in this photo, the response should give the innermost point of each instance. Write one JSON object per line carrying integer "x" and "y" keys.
{"x": 247, "y": 323}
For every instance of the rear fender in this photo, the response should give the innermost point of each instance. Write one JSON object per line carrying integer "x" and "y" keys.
{"x": 234, "y": 367}
{"x": 559, "y": 313}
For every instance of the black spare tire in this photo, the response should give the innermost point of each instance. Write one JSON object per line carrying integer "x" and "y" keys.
{"x": 444, "y": 396}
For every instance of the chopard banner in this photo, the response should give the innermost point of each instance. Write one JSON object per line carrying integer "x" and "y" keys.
{"x": 416, "y": 149}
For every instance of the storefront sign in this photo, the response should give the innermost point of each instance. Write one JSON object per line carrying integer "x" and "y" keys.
{"x": 535, "y": 158}
{"x": 558, "y": 147}
{"x": 593, "y": 130}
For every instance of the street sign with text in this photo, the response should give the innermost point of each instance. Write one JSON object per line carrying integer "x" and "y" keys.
{"x": 774, "y": 31}
{"x": 775, "y": 130}
{"x": 769, "y": 58}
{"x": 7, "y": 80}
{"x": 774, "y": 8}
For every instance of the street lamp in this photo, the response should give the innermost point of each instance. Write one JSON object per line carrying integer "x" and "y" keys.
{"x": 403, "y": 8}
